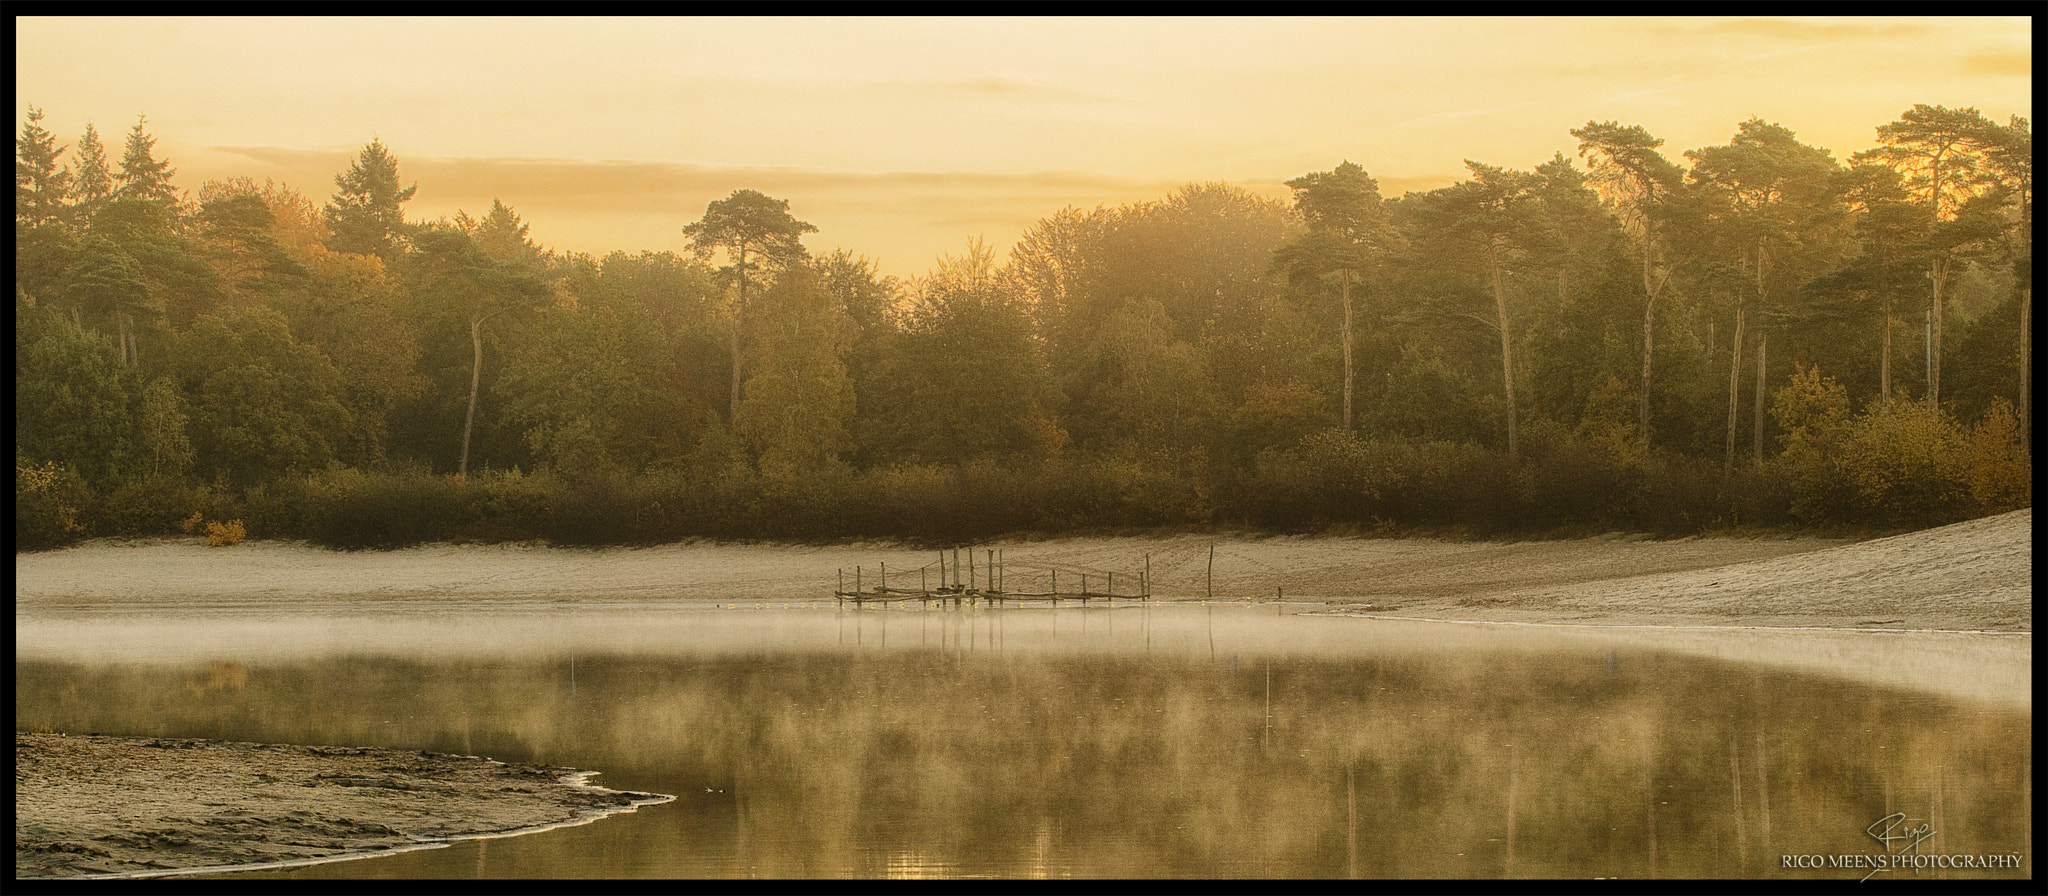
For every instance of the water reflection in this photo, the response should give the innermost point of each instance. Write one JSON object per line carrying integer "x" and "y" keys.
{"x": 1142, "y": 742}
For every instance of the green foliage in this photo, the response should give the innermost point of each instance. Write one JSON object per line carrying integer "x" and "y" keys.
{"x": 353, "y": 510}
{"x": 1906, "y": 463}
{"x": 155, "y": 505}
{"x": 364, "y": 218}
{"x": 94, "y": 186}
{"x": 260, "y": 402}
{"x": 143, "y": 177}
{"x": 48, "y": 499}
{"x": 72, "y": 398}
{"x": 41, "y": 184}
{"x": 1190, "y": 361}
{"x": 797, "y": 408}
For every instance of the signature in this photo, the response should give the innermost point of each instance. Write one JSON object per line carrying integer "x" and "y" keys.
{"x": 1896, "y": 835}
{"x": 1892, "y": 831}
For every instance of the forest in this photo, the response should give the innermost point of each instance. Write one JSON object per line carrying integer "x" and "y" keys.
{"x": 1752, "y": 336}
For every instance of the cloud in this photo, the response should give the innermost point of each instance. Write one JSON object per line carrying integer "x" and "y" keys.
{"x": 596, "y": 206}
{"x": 1805, "y": 29}
{"x": 2014, "y": 64}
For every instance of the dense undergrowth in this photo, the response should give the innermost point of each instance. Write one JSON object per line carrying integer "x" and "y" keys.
{"x": 1889, "y": 469}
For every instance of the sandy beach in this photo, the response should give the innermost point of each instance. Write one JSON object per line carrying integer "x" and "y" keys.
{"x": 98, "y": 806}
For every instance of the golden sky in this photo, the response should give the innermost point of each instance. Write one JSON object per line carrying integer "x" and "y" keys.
{"x": 902, "y": 138}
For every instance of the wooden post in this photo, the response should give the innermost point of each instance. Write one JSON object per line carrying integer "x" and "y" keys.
{"x": 970, "y": 569}
{"x": 1212, "y": 572}
{"x": 1145, "y": 583}
{"x": 885, "y": 578}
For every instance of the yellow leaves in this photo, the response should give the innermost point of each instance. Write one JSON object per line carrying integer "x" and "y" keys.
{"x": 1812, "y": 409}
{"x": 47, "y": 497}
{"x": 1996, "y": 465}
{"x": 1905, "y": 459}
{"x": 221, "y": 535}
{"x": 218, "y": 534}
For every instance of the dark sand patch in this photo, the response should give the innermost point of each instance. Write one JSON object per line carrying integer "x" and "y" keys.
{"x": 126, "y": 806}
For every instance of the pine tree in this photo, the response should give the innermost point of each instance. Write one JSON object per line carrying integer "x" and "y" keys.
{"x": 142, "y": 176}
{"x": 39, "y": 184}
{"x": 364, "y": 218}
{"x": 93, "y": 186}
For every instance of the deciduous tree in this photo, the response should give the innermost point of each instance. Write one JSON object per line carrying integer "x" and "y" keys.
{"x": 455, "y": 275}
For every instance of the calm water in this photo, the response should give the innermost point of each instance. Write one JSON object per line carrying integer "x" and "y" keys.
{"x": 1165, "y": 741}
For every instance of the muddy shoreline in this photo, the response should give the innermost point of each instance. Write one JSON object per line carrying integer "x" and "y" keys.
{"x": 94, "y": 806}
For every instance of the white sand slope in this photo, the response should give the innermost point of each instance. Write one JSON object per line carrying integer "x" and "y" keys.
{"x": 1973, "y": 576}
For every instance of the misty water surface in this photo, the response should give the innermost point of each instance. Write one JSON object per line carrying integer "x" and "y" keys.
{"x": 1160, "y": 741}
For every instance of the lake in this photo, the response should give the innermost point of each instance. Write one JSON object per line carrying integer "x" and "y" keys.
{"x": 1135, "y": 740}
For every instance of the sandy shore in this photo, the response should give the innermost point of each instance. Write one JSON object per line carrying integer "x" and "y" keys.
{"x": 137, "y": 807}
{"x": 1973, "y": 576}
{"x": 185, "y": 804}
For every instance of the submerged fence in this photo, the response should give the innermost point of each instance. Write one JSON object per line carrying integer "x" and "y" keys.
{"x": 993, "y": 580}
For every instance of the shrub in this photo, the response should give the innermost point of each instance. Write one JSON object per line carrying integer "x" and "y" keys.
{"x": 2000, "y": 473}
{"x": 1905, "y": 462}
{"x": 47, "y": 500}
{"x": 228, "y": 534}
{"x": 351, "y": 509}
{"x": 152, "y": 506}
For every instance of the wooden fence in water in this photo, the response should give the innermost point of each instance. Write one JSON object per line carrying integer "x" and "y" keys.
{"x": 993, "y": 582}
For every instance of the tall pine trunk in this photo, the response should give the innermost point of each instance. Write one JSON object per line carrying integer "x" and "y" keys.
{"x": 1507, "y": 353}
{"x": 1939, "y": 273}
{"x": 1734, "y": 390}
{"x": 739, "y": 314}
{"x": 1650, "y": 292}
{"x": 1344, "y": 295}
{"x": 1757, "y": 427}
{"x": 476, "y": 370}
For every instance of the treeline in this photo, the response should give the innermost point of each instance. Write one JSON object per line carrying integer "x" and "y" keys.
{"x": 1765, "y": 337}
